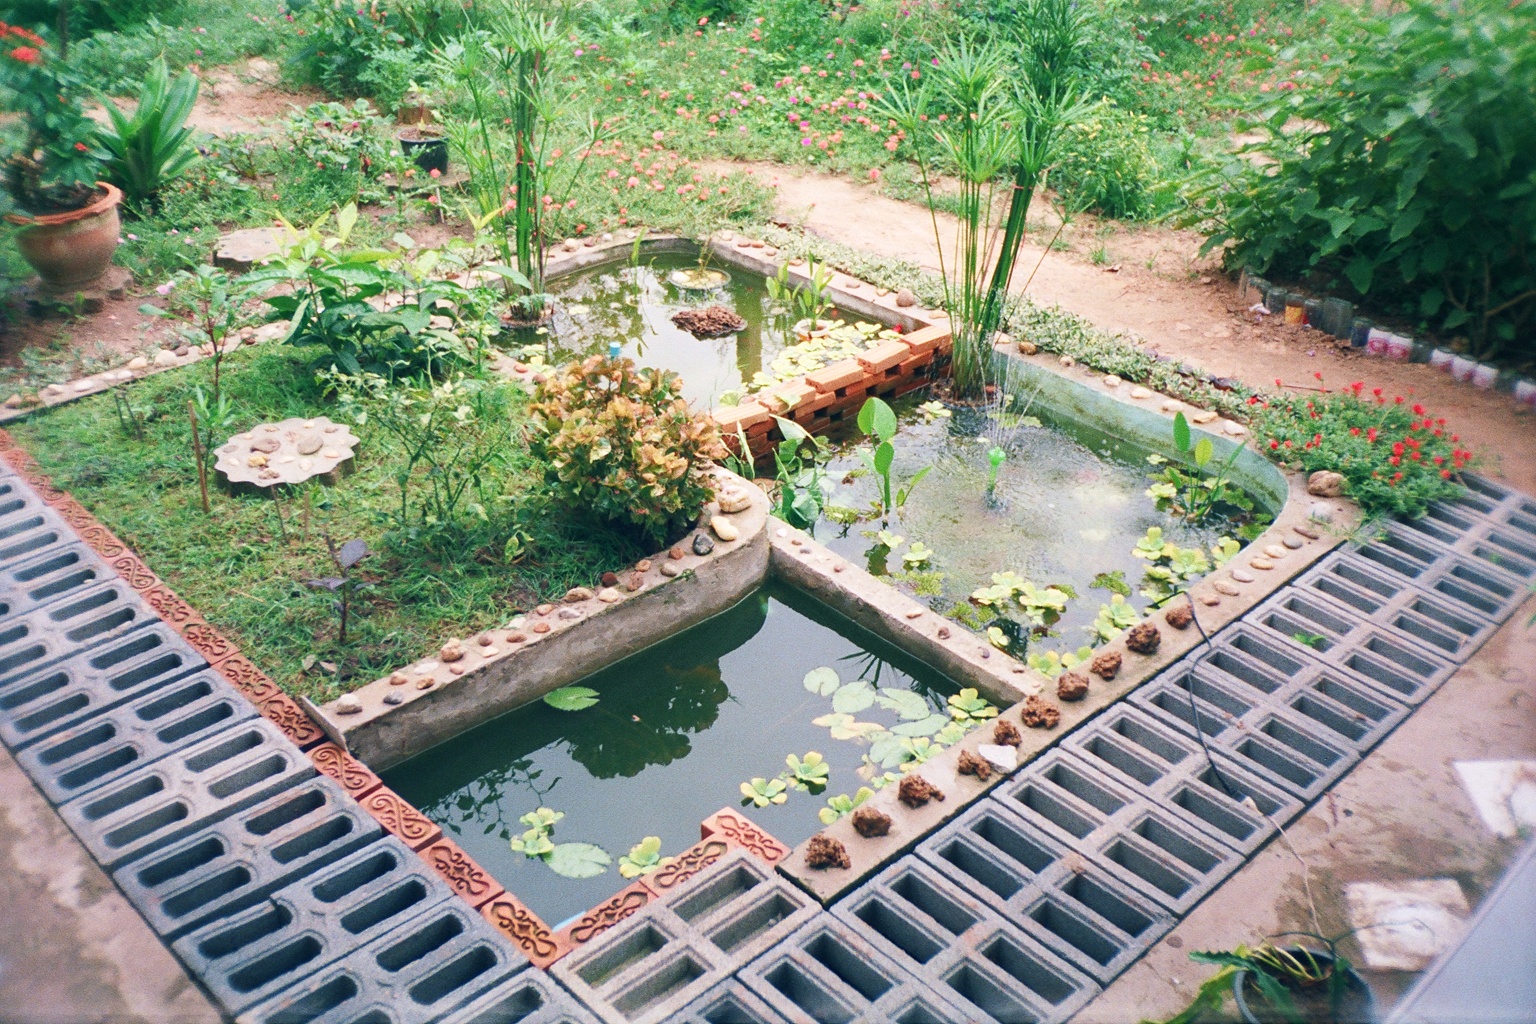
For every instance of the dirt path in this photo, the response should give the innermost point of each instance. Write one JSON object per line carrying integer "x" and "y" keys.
{"x": 1168, "y": 299}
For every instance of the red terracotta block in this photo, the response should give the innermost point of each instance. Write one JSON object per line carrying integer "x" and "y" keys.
{"x": 926, "y": 339}
{"x": 836, "y": 377}
{"x": 738, "y": 830}
{"x": 605, "y": 915}
{"x": 462, "y": 874}
{"x": 392, "y": 811}
{"x": 786, "y": 397}
{"x": 686, "y": 865}
{"x": 745, "y": 416}
{"x": 133, "y": 571}
{"x": 285, "y": 713}
{"x": 525, "y": 929}
{"x": 916, "y": 364}
{"x": 355, "y": 777}
{"x": 884, "y": 356}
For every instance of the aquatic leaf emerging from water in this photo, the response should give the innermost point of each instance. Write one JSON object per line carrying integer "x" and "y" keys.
{"x": 643, "y": 858}
{"x": 1224, "y": 550}
{"x": 808, "y": 772}
{"x": 997, "y": 638}
{"x": 1151, "y": 546}
{"x": 1113, "y": 619}
{"x": 578, "y": 860}
{"x": 761, "y": 792}
{"x": 910, "y": 706}
{"x": 571, "y": 698}
{"x": 823, "y": 681}
{"x": 968, "y": 705}
{"x": 852, "y": 698}
{"x": 838, "y": 806}
{"x": 919, "y": 554}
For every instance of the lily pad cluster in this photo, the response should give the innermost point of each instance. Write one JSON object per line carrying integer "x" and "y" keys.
{"x": 573, "y": 860}
{"x": 1171, "y": 568}
{"x": 841, "y": 341}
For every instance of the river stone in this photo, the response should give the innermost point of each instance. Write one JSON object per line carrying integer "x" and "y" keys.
{"x": 1320, "y": 513}
{"x": 676, "y": 553}
{"x": 1262, "y": 564}
{"x": 1140, "y": 393}
{"x": 734, "y": 499}
{"x": 1210, "y": 600}
{"x": 702, "y": 545}
{"x": 1172, "y": 405}
{"x": 1028, "y": 348}
{"x": 904, "y": 297}
{"x": 1067, "y": 361}
{"x": 1325, "y": 483}
{"x": 541, "y": 627}
{"x": 394, "y": 697}
{"x": 1233, "y": 429}
{"x": 569, "y": 614}
{"x": 165, "y": 357}
{"x": 1275, "y": 551}
{"x": 1293, "y": 543}
{"x": 309, "y": 444}
{"x": 138, "y": 363}
{"x": 669, "y": 569}
{"x": 576, "y": 594}
{"x": 1223, "y": 587}
{"x": 1243, "y": 576}
{"x": 608, "y": 595}
{"x": 1203, "y": 417}
{"x": 724, "y": 528}
{"x": 266, "y": 445}
{"x": 348, "y": 704}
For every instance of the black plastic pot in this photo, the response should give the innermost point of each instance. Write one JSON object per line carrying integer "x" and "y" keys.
{"x": 429, "y": 152}
{"x": 1357, "y": 1006}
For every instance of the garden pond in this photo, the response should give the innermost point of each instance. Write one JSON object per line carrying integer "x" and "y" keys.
{"x": 675, "y": 731}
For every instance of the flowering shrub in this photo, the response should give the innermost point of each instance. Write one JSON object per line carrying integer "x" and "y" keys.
{"x": 335, "y": 137}
{"x": 619, "y": 442}
{"x": 1395, "y": 456}
{"x": 1106, "y": 164}
{"x": 50, "y": 164}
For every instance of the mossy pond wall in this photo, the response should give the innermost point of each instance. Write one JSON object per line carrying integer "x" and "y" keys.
{"x": 676, "y": 730}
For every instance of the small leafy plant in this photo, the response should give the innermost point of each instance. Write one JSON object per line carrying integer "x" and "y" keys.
{"x": 1294, "y": 984}
{"x": 621, "y": 443}
{"x": 760, "y": 792}
{"x": 806, "y": 303}
{"x": 878, "y": 421}
{"x": 344, "y": 586}
{"x": 207, "y": 307}
{"x": 1113, "y": 619}
{"x": 842, "y": 805}
{"x": 643, "y": 858}
{"x": 143, "y": 152}
{"x": 1194, "y": 496}
{"x": 571, "y": 698}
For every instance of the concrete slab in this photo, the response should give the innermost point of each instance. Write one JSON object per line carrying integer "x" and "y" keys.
{"x": 1504, "y": 793}
{"x": 83, "y": 953}
{"x": 1402, "y": 926}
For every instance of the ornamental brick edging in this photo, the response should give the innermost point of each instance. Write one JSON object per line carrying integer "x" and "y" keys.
{"x": 477, "y": 887}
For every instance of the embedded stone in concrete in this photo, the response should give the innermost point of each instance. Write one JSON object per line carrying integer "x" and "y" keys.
{"x": 1504, "y": 793}
{"x": 1403, "y": 926}
{"x": 288, "y": 452}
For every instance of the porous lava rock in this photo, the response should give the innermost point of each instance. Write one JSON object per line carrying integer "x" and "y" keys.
{"x": 915, "y": 791}
{"x": 1179, "y": 616}
{"x": 1106, "y": 665}
{"x": 870, "y": 822}
{"x": 825, "y": 852}
{"x": 1039, "y": 714}
{"x": 1144, "y": 638}
{"x": 1006, "y": 734}
{"x": 1072, "y": 686}
{"x": 970, "y": 764}
{"x": 709, "y": 322}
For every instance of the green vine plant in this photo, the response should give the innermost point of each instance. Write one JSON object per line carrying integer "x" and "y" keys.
{"x": 572, "y": 860}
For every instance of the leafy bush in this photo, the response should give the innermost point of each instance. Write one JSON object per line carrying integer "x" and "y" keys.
{"x": 1106, "y": 164}
{"x": 1405, "y": 169}
{"x": 143, "y": 152}
{"x": 620, "y": 443}
{"x": 337, "y": 137}
{"x": 345, "y": 36}
{"x": 1395, "y": 456}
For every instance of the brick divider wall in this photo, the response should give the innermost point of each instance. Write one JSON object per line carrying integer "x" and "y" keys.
{"x": 521, "y": 926}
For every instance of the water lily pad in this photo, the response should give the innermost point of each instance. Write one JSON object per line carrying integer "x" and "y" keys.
{"x": 571, "y": 698}
{"x": 852, "y": 698}
{"x": 823, "y": 681}
{"x": 910, "y": 706}
{"x": 578, "y": 860}
{"x": 926, "y": 726}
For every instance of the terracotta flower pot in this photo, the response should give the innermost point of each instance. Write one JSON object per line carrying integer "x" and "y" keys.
{"x": 72, "y": 248}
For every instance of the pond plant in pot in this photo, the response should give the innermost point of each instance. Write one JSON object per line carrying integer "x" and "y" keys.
{"x": 426, "y": 146}
{"x": 1294, "y": 983}
{"x": 68, "y": 219}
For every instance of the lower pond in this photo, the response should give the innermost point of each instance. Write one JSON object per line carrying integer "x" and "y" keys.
{"x": 675, "y": 731}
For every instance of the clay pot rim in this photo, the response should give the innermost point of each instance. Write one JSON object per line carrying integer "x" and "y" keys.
{"x": 417, "y": 133}
{"x": 114, "y": 195}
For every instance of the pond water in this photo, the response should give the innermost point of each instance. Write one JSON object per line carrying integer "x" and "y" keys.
{"x": 676, "y": 730}
{"x": 635, "y": 304}
{"x": 1070, "y": 503}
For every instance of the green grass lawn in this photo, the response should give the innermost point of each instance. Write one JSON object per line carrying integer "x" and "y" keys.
{"x": 239, "y": 572}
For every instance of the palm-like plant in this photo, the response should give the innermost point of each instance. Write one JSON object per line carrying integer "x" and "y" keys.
{"x": 143, "y": 152}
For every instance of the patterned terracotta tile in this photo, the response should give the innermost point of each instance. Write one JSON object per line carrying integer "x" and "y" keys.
{"x": 526, "y": 930}
{"x": 207, "y": 640}
{"x": 460, "y": 871}
{"x": 686, "y": 865}
{"x": 286, "y": 713}
{"x": 737, "y": 830}
{"x": 392, "y": 811}
{"x": 355, "y": 777}
{"x": 170, "y": 606}
{"x": 605, "y": 915}
{"x": 247, "y": 678}
{"x": 133, "y": 571}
